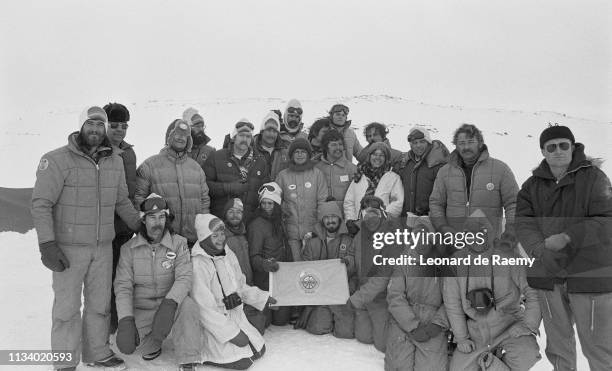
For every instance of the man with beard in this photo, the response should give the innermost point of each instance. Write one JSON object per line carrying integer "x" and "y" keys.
{"x": 338, "y": 115}
{"x": 329, "y": 241}
{"x": 78, "y": 189}
{"x": 236, "y": 172}
{"x": 369, "y": 302}
{"x": 418, "y": 169}
{"x": 269, "y": 144}
{"x": 376, "y": 132}
{"x": 473, "y": 180}
{"x": 175, "y": 176}
{"x": 154, "y": 276}
{"x": 337, "y": 169}
{"x": 118, "y": 116}
{"x": 292, "y": 126}
{"x": 200, "y": 149}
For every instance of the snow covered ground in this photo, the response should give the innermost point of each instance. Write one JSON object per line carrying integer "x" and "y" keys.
{"x": 512, "y": 136}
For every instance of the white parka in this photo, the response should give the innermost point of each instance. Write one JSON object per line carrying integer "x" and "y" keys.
{"x": 390, "y": 190}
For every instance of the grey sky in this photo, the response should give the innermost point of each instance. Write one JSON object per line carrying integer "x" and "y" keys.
{"x": 523, "y": 54}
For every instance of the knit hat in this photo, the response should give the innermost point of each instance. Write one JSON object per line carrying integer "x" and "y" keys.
{"x": 339, "y": 107}
{"x": 556, "y": 132}
{"x": 233, "y": 203}
{"x": 300, "y": 143}
{"x": 271, "y": 191}
{"x": 117, "y": 112}
{"x": 180, "y": 126}
{"x": 205, "y": 224}
{"x": 295, "y": 106}
{"x": 152, "y": 204}
{"x": 94, "y": 113}
{"x": 419, "y": 132}
{"x": 243, "y": 126}
{"x": 372, "y": 201}
{"x": 191, "y": 116}
{"x": 329, "y": 208}
{"x": 267, "y": 122}
{"x": 376, "y": 146}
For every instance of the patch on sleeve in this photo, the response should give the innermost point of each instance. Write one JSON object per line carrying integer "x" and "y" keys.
{"x": 44, "y": 164}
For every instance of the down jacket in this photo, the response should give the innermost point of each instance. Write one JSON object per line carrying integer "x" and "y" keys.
{"x": 127, "y": 154}
{"x": 493, "y": 190}
{"x": 143, "y": 281}
{"x": 223, "y": 178}
{"x": 201, "y": 152}
{"x": 264, "y": 244}
{"x": 339, "y": 176}
{"x": 181, "y": 182}
{"x": 580, "y": 205}
{"x": 278, "y": 159}
{"x": 303, "y": 192}
{"x": 352, "y": 147}
{"x": 390, "y": 190}
{"x": 418, "y": 177}
{"x": 211, "y": 275}
{"x": 74, "y": 199}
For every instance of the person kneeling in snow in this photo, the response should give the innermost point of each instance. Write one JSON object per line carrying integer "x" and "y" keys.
{"x": 153, "y": 279}
{"x": 219, "y": 289}
{"x": 330, "y": 240}
{"x": 492, "y": 311}
{"x": 416, "y": 339}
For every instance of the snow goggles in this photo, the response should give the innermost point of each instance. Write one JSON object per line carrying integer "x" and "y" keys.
{"x": 115, "y": 125}
{"x": 154, "y": 204}
{"x": 297, "y": 110}
{"x": 564, "y": 146}
{"x": 266, "y": 187}
{"x": 339, "y": 108}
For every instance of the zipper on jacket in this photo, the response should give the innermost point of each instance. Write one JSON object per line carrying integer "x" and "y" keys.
{"x": 153, "y": 269}
{"x": 592, "y": 314}
{"x": 547, "y": 305}
{"x": 98, "y": 202}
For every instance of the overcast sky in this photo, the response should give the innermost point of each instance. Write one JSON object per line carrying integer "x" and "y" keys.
{"x": 519, "y": 54}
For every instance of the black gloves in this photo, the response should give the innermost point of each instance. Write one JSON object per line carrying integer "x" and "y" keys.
{"x": 240, "y": 340}
{"x": 269, "y": 265}
{"x": 353, "y": 229}
{"x": 53, "y": 257}
{"x": 127, "y": 335}
{"x": 302, "y": 321}
{"x": 425, "y": 332}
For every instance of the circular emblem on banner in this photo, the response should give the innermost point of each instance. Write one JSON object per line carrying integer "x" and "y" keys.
{"x": 490, "y": 186}
{"x": 308, "y": 185}
{"x": 292, "y": 186}
{"x": 229, "y": 164}
{"x": 44, "y": 164}
{"x": 309, "y": 281}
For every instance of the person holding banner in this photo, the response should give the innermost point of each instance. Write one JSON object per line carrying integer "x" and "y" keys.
{"x": 267, "y": 246}
{"x": 220, "y": 289}
{"x": 416, "y": 338}
{"x": 329, "y": 240}
{"x": 369, "y": 301}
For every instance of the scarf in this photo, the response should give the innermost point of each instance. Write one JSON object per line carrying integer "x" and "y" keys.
{"x": 373, "y": 175}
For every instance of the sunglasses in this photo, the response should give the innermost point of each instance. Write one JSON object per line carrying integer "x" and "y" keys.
{"x": 562, "y": 146}
{"x": 115, "y": 125}
{"x": 151, "y": 204}
{"x": 295, "y": 110}
{"x": 340, "y": 108}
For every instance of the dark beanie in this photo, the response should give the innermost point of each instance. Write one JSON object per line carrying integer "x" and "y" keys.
{"x": 117, "y": 112}
{"x": 556, "y": 132}
{"x": 300, "y": 143}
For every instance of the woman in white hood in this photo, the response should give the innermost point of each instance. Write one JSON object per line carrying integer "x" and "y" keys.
{"x": 219, "y": 289}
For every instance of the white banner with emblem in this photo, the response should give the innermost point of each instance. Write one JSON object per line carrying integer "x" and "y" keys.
{"x": 320, "y": 282}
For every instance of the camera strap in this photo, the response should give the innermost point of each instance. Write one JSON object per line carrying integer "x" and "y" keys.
{"x": 218, "y": 278}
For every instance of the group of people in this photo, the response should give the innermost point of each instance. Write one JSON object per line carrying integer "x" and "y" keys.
{"x": 181, "y": 246}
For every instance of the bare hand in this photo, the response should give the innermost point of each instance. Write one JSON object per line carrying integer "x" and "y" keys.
{"x": 556, "y": 242}
{"x": 465, "y": 346}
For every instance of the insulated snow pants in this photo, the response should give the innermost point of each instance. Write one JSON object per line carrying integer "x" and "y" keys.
{"x": 89, "y": 273}
{"x": 325, "y": 319}
{"x": 186, "y": 334}
{"x": 591, "y": 313}
{"x": 371, "y": 324}
{"x": 405, "y": 354}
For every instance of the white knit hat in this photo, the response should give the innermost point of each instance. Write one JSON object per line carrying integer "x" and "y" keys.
{"x": 243, "y": 126}
{"x": 204, "y": 224}
{"x": 189, "y": 114}
{"x": 421, "y": 129}
{"x": 271, "y": 191}
{"x": 271, "y": 116}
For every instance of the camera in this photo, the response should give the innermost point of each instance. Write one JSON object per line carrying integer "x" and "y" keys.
{"x": 232, "y": 301}
{"x": 481, "y": 299}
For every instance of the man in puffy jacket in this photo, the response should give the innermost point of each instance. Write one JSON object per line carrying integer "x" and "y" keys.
{"x": 176, "y": 177}
{"x": 236, "y": 172}
{"x": 564, "y": 220}
{"x": 493, "y": 313}
{"x": 292, "y": 126}
{"x": 418, "y": 169}
{"x": 338, "y": 115}
{"x": 200, "y": 149}
{"x": 269, "y": 144}
{"x": 304, "y": 188}
{"x": 78, "y": 189}
{"x": 154, "y": 276}
{"x": 118, "y": 117}
{"x": 472, "y": 180}
{"x": 330, "y": 240}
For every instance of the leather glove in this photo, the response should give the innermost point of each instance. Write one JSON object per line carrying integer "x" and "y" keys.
{"x": 420, "y": 334}
{"x": 345, "y": 261}
{"x": 433, "y": 330}
{"x": 353, "y": 229}
{"x": 240, "y": 340}
{"x": 127, "y": 335}
{"x": 163, "y": 319}
{"x": 550, "y": 262}
{"x": 302, "y": 321}
{"x": 465, "y": 346}
{"x": 53, "y": 257}
{"x": 270, "y": 265}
